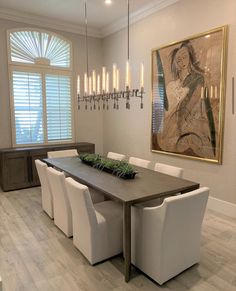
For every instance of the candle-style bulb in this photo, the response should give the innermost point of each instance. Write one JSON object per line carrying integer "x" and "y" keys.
{"x": 211, "y": 92}
{"x": 127, "y": 74}
{"x": 98, "y": 84}
{"x": 118, "y": 80}
{"x": 142, "y": 77}
{"x": 85, "y": 84}
{"x": 94, "y": 81}
{"x": 114, "y": 76}
{"x": 107, "y": 82}
{"x": 90, "y": 85}
{"x": 202, "y": 92}
{"x": 104, "y": 78}
{"x": 78, "y": 85}
{"x": 216, "y": 93}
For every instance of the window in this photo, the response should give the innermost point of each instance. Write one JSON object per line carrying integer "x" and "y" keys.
{"x": 39, "y": 47}
{"x": 28, "y": 107}
{"x": 58, "y": 107}
{"x": 41, "y": 101}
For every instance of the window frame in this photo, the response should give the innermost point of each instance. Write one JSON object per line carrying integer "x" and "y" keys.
{"x": 42, "y": 70}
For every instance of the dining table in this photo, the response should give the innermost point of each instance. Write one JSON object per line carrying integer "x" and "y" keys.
{"x": 147, "y": 184}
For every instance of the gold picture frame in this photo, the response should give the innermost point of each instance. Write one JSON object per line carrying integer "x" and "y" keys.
{"x": 188, "y": 96}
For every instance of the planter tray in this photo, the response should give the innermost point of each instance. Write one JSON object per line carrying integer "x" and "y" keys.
{"x": 110, "y": 171}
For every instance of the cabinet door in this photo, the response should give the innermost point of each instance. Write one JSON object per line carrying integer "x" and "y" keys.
{"x": 34, "y": 155}
{"x": 15, "y": 174}
{"x": 85, "y": 148}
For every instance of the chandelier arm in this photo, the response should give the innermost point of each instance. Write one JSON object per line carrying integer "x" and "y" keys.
{"x": 128, "y": 29}
{"x": 86, "y": 35}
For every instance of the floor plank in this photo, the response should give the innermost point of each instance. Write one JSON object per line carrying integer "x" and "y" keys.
{"x": 36, "y": 256}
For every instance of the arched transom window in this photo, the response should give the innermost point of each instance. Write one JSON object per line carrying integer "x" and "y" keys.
{"x": 41, "y": 89}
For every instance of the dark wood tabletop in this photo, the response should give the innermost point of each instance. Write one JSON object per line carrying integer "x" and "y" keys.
{"x": 146, "y": 185}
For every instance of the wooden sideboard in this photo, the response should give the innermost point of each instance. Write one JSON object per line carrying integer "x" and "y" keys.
{"x": 17, "y": 165}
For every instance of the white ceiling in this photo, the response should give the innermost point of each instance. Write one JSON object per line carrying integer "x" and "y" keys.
{"x": 71, "y": 12}
{"x": 99, "y": 14}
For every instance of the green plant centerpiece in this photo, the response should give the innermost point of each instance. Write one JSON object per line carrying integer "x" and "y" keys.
{"x": 119, "y": 168}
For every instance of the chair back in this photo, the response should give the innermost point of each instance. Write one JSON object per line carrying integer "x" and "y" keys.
{"x": 62, "y": 208}
{"x": 115, "y": 156}
{"x": 166, "y": 238}
{"x": 169, "y": 170}
{"x": 47, "y": 201}
{"x": 139, "y": 162}
{"x": 64, "y": 153}
{"x": 83, "y": 214}
{"x": 182, "y": 222}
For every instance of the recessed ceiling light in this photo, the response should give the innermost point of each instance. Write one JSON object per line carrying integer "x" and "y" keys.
{"x": 207, "y": 36}
{"x": 108, "y": 2}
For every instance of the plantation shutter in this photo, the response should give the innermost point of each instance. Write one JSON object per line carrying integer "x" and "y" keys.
{"x": 28, "y": 108}
{"x": 40, "y": 65}
{"x": 35, "y": 47}
{"x": 59, "y": 107}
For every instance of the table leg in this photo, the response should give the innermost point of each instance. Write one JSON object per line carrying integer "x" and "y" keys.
{"x": 127, "y": 239}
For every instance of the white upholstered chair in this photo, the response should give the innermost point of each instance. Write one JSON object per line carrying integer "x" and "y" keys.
{"x": 164, "y": 169}
{"x": 97, "y": 228}
{"x": 63, "y": 153}
{"x": 61, "y": 204}
{"x": 115, "y": 156}
{"x": 166, "y": 238}
{"x": 139, "y": 162}
{"x": 47, "y": 200}
{"x": 169, "y": 170}
{"x": 95, "y": 194}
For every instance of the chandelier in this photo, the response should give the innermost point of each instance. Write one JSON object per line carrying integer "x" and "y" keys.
{"x": 97, "y": 93}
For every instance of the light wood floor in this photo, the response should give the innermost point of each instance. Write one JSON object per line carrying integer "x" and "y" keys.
{"x": 35, "y": 255}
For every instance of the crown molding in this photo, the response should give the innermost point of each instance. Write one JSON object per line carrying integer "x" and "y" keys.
{"x": 136, "y": 16}
{"x": 42, "y": 21}
{"x": 47, "y": 22}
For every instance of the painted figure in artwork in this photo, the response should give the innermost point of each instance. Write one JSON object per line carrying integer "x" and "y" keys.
{"x": 188, "y": 124}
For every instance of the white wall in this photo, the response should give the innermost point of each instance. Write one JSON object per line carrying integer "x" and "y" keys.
{"x": 88, "y": 126}
{"x": 129, "y": 132}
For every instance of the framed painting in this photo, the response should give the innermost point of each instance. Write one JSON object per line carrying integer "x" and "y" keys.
{"x": 188, "y": 88}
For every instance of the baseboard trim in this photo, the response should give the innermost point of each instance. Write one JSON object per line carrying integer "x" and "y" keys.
{"x": 222, "y": 206}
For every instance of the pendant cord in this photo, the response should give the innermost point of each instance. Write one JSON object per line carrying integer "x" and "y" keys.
{"x": 86, "y": 35}
{"x": 128, "y": 28}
